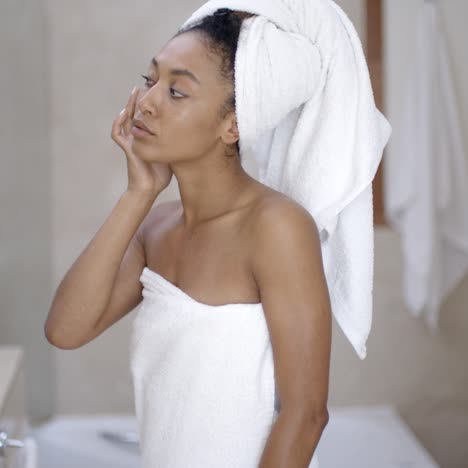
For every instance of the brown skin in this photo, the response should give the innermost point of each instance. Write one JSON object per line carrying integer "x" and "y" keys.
{"x": 229, "y": 239}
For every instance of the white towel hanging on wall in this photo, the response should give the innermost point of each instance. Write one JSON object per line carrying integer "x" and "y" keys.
{"x": 426, "y": 181}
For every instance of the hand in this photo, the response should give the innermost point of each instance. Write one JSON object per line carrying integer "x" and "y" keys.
{"x": 145, "y": 177}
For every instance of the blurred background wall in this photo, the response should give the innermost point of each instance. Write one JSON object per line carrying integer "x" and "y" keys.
{"x": 27, "y": 193}
{"x": 67, "y": 70}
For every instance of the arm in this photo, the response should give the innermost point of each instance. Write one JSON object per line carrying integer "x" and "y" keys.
{"x": 84, "y": 293}
{"x": 103, "y": 283}
{"x": 287, "y": 265}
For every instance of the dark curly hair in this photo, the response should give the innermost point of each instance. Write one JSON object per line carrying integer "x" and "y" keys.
{"x": 220, "y": 33}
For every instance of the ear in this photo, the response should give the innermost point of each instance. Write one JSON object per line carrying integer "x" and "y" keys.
{"x": 230, "y": 131}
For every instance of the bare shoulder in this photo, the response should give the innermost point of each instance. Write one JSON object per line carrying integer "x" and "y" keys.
{"x": 278, "y": 217}
{"x": 284, "y": 239}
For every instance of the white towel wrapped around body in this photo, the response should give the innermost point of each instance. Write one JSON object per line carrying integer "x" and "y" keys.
{"x": 306, "y": 112}
{"x": 203, "y": 380}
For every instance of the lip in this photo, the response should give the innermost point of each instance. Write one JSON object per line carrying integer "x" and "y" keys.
{"x": 139, "y": 124}
{"x": 140, "y": 133}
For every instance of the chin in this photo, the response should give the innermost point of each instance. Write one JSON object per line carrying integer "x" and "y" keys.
{"x": 145, "y": 151}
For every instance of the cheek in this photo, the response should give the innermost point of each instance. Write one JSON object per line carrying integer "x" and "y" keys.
{"x": 193, "y": 123}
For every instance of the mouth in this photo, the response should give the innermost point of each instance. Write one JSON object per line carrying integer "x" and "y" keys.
{"x": 140, "y": 132}
{"x": 141, "y": 126}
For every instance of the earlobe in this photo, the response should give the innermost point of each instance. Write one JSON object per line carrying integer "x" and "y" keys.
{"x": 232, "y": 132}
{"x": 235, "y": 129}
{"x": 235, "y": 132}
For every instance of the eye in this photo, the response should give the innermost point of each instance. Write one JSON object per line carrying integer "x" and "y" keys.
{"x": 177, "y": 97}
{"x": 147, "y": 79}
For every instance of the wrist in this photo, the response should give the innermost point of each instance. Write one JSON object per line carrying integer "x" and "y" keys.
{"x": 141, "y": 197}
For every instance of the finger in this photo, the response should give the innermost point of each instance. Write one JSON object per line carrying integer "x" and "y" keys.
{"x": 117, "y": 126}
{"x": 127, "y": 126}
{"x": 133, "y": 105}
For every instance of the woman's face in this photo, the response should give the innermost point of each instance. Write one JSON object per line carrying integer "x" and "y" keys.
{"x": 181, "y": 110}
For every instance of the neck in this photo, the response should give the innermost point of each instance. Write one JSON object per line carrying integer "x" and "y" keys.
{"x": 210, "y": 188}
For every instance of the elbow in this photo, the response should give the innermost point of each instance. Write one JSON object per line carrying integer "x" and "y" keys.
{"x": 51, "y": 338}
{"x": 319, "y": 418}
{"x": 48, "y": 334}
{"x": 54, "y": 339}
{"x": 310, "y": 419}
{"x": 325, "y": 417}
{"x": 55, "y": 331}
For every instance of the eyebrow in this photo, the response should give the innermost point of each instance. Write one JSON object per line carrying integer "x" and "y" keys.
{"x": 178, "y": 71}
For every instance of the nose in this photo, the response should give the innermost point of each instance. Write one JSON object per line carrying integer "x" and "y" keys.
{"x": 147, "y": 100}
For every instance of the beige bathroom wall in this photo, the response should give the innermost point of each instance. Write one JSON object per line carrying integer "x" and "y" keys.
{"x": 25, "y": 195}
{"x": 98, "y": 50}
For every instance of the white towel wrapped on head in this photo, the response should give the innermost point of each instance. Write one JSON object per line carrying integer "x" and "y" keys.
{"x": 306, "y": 112}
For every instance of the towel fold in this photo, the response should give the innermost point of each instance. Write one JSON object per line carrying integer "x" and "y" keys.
{"x": 306, "y": 112}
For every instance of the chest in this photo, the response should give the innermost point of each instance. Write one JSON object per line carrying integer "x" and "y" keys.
{"x": 211, "y": 264}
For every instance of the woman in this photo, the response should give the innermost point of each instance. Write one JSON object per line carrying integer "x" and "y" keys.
{"x": 229, "y": 242}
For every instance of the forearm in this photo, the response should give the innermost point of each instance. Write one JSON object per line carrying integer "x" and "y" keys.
{"x": 292, "y": 442}
{"x": 85, "y": 290}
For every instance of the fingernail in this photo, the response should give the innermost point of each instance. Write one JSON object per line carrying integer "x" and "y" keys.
{"x": 134, "y": 89}
{"x": 122, "y": 111}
